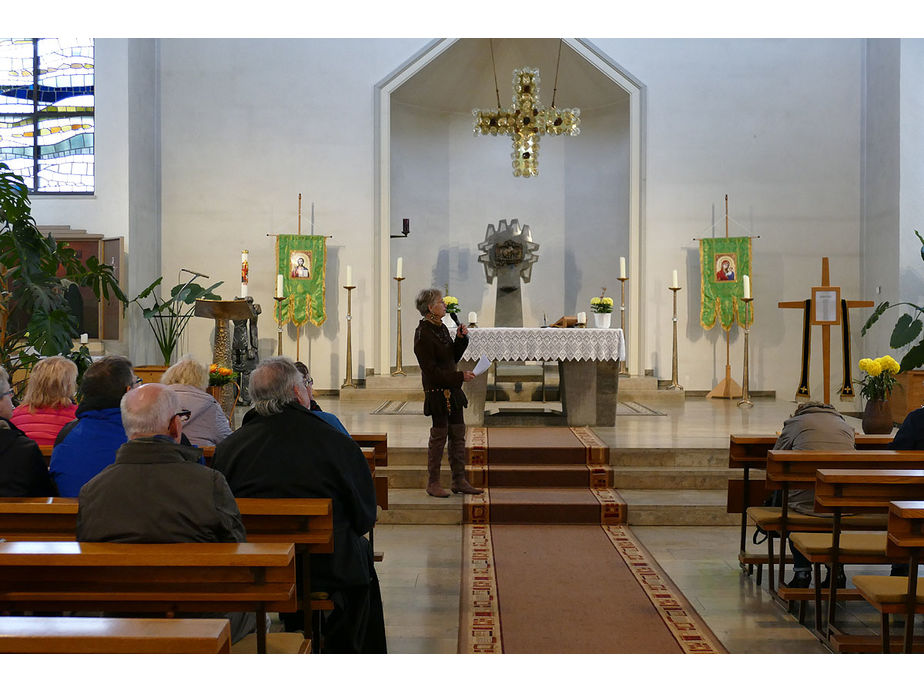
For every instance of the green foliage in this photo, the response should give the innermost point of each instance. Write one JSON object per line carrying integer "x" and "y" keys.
{"x": 168, "y": 318}
{"x": 907, "y": 329}
{"x": 35, "y": 317}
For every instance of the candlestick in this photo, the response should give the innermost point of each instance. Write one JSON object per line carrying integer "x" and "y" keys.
{"x": 399, "y": 274}
{"x": 278, "y": 299}
{"x": 279, "y": 288}
{"x": 398, "y": 369}
{"x": 349, "y": 277}
{"x": 747, "y": 287}
{"x": 348, "y": 381}
{"x": 582, "y": 318}
{"x": 674, "y": 384}
{"x": 674, "y": 283}
{"x": 623, "y": 369}
{"x": 622, "y": 268}
{"x": 745, "y": 393}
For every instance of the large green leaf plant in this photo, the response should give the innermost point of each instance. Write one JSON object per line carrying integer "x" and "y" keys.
{"x": 35, "y": 274}
{"x": 907, "y": 329}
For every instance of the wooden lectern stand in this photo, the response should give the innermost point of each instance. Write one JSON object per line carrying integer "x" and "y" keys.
{"x": 222, "y": 312}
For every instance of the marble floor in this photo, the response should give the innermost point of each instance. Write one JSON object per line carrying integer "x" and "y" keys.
{"x": 421, "y": 571}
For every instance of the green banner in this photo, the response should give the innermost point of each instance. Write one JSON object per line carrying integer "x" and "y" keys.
{"x": 723, "y": 262}
{"x": 302, "y": 262}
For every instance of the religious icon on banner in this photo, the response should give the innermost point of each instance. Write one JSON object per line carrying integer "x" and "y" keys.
{"x": 302, "y": 262}
{"x": 723, "y": 263}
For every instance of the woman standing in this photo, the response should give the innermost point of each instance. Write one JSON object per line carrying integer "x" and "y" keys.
{"x": 437, "y": 353}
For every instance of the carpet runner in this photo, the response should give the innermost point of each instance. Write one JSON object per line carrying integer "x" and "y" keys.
{"x": 549, "y": 564}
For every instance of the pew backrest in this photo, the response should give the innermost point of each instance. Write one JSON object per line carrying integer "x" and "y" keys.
{"x": 796, "y": 469}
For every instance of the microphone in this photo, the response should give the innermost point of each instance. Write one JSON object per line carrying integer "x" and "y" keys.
{"x": 195, "y": 274}
{"x": 455, "y": 319}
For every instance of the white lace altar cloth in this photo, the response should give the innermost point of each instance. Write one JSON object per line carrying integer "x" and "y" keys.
{"x": 545, "y": 344}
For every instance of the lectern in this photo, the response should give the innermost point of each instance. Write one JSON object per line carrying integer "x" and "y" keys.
{"x": 222, "y": 312}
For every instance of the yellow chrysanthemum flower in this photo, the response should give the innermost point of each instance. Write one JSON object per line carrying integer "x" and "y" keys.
{"x": 864, "y": 365}
{"x": 889, "y": 364}
{"x": 607, "y": 300}
{"x": 595, "y": 301}
{"x": 874, "y": 368}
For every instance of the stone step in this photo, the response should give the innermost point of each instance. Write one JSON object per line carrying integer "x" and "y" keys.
{"x": 652, "y": 397}
{"x": 672, "y": 478}
{"x": 361, "y": 394}
{"x": 637, "y": 383}
{"x": 415, "y": 507}
{"x": 677, "y": 507}
{"x": 698, "y": 458}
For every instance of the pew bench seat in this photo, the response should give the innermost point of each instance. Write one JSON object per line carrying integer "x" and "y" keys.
{"x": 884, "y": 591}
{"x": 854, "y": 547}
{"x": 276, "y": 643}
{"x": 75, "y": 635}
{"x": 769, "y": 519}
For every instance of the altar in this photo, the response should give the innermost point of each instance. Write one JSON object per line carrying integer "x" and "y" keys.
{"x": 588, "y": 362}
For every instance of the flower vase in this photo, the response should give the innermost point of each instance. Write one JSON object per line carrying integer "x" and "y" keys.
{"x": 877, "y": 417}
{"x": 602, "y": 320}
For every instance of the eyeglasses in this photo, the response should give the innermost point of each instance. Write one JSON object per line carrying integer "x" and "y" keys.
{"x": 136, "y": 382}
{"x": 309, "y": 381}
{"x": 183, "y": 415}
{"x": 4, "y": 394}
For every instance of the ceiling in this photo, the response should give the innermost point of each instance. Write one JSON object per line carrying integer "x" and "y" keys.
{"x": 462, "y": 78}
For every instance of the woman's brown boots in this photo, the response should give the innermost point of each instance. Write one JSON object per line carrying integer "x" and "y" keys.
{"x": 434, "y": 458}
{"x": 457, "y": 460}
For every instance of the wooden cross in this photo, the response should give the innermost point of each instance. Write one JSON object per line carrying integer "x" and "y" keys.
{"x": 526, "y": 120}
{"x": 825, "y": 308}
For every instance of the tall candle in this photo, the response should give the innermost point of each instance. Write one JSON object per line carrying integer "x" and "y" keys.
{"x": 747, "y": 286}
{"x": 279, "y": 286}
{"x": 674, "y": 284}
{"x": 245, "y": 269}
{"x": 472, "y": 317}
{"x": 349, "y": 281}
{"x": 243, "y": 291}
{"x": 622, "y": 268}
{"x": 84, "y": 338}
{"x": 398, "y": 273}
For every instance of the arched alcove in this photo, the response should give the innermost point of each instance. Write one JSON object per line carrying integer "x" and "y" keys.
{"x": 584, "y": 209}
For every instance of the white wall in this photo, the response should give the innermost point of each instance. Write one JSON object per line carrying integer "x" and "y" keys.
{"x": 911, "y": 204}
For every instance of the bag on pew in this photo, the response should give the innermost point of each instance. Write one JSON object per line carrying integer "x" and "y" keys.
{"x": 774, "y": 500}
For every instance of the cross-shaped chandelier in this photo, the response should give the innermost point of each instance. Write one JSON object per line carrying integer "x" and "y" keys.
{"x": 526, "y": 120}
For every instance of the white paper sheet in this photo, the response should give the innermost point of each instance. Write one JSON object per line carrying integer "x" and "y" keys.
{"x": 482, "y": 365}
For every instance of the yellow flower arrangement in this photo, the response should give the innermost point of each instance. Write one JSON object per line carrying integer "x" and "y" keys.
{"x": 879, "y": 380}
{"x": 601, "y": 304}
{"x": 452, "y": 304}
{"x": 219, "y": 375}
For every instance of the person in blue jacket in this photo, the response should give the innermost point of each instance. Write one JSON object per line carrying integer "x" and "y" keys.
{"x": 88, "y": 444}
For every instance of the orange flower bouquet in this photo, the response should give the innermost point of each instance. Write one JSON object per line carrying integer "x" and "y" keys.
{"x": 219, "y": 375}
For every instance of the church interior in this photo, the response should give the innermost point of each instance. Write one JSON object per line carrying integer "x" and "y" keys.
{"x": 616, "y": 522}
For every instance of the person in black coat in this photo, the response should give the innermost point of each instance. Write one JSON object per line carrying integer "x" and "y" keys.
{"x": 282, "y": 450}
{"x": 23, "y": 472}
{"x": 437, "y": 353}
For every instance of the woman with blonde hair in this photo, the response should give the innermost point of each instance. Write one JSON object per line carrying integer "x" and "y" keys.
{"x": 49, "y": 400}
{"x": 207, "y": 424}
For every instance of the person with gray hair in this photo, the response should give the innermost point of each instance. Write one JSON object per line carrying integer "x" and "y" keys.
{"x": 23, "y": 472}
{"x": 156, "y": 492}
{"x": 282, "y": 450}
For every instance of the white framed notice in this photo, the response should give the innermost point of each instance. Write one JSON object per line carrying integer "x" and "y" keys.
{"x": 826, "y": 305}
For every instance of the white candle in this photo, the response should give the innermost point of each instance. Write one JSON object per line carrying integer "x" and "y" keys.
{"x": 674, "y": 284}
{"x": 747, "y": 286}
{"x": 84, "y": 338}
{"x": 349, "y": 281}
{"x": 582, "y": 318}
{"x": 243, "y": 290}
{"x": 472, "y": 317}
{"x": 279, "y": 286}
{"x": 398, "y": 273}
{"x": 622, "y": 268}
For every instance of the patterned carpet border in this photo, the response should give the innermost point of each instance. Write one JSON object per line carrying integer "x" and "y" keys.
{"x": 681, "y": 619}
{"x": 480, "y": 633}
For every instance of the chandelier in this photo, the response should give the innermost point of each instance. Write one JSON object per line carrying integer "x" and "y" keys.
{"x": 526, "y": 120}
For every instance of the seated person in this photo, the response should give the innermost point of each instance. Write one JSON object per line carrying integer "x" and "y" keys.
{"x": 282, "y": 450}
{"x": 49, "y": 400}
{"x": 813, "y": 426}
{"x": 207, "y": 423}
{"x": 23, "y": 473}
{"x": 315, "y": 409}
{"x": 156, "y": 492}
{"x": 910, "y": 436}
{"x": 86, "y": 446}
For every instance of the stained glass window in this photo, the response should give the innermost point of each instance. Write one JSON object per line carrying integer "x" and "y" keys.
{"x": 46, "y": 112}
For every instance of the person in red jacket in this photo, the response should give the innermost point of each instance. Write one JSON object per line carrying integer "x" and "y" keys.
{"x": 49, "y": 400}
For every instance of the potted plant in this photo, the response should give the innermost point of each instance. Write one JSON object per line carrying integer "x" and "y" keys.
{"x": 602, "y": 307}
{"x": 876, "y": 386}
{"x": 168, "y": 318}
{"x": 35, "y": 316}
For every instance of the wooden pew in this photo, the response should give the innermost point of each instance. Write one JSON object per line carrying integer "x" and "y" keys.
{"x": 747, "y": 452}
{"x": 795, "y": 469}
{"x": 73, "y": 635}
{"x": 167, "y": 579}
{"x": 307, "y": 523}
{"x": 375, "y": 448}
{"x": 899, "y": 595}
{"x": 858, "y": 490}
